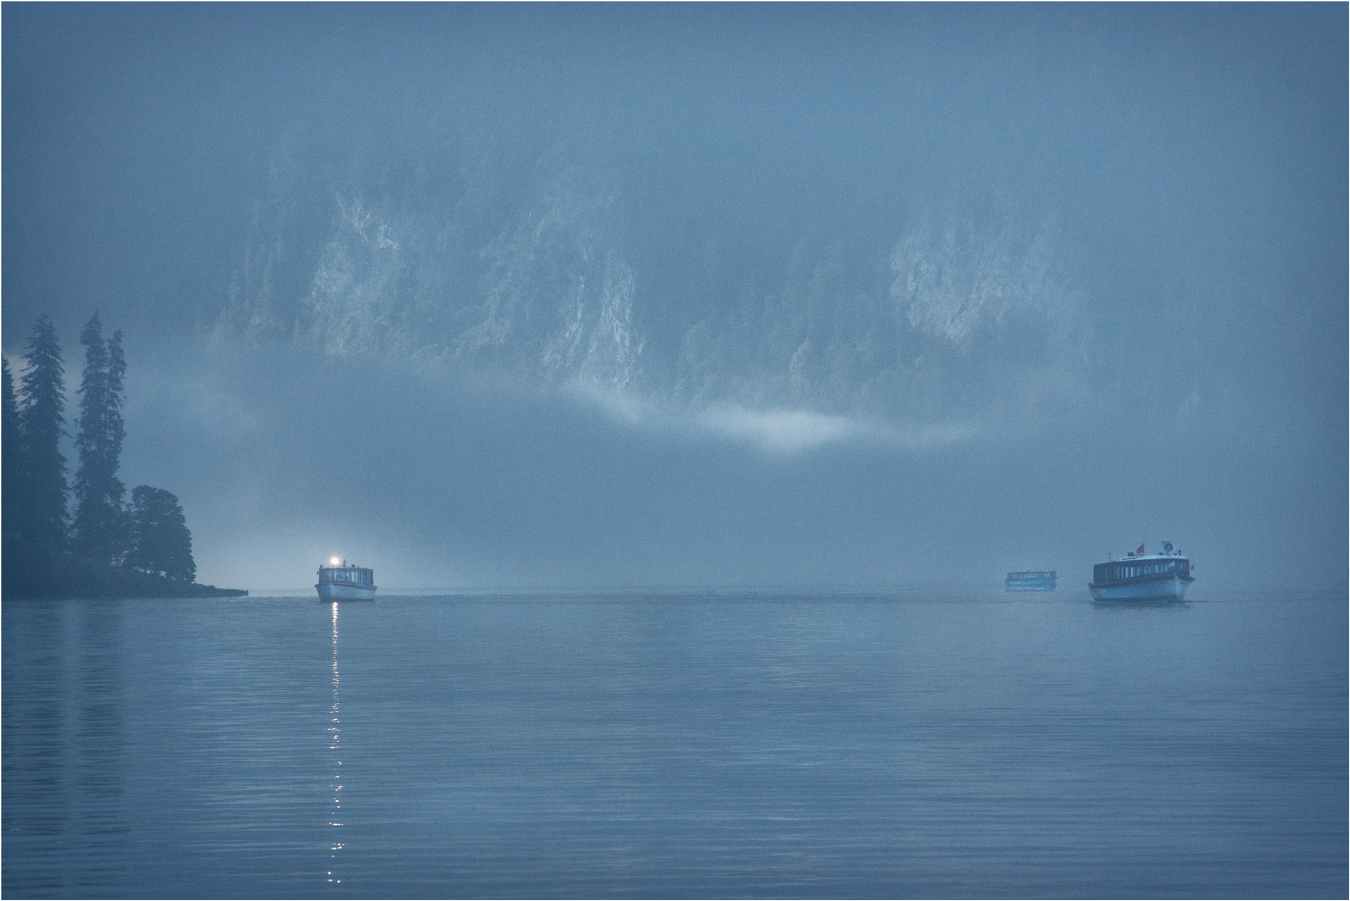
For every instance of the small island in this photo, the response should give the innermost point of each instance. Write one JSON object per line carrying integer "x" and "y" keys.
{"x": 106, "y": 547}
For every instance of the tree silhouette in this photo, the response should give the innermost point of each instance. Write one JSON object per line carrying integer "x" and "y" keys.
{"x": 100, "y": 527}
{"x": 10, "y": 436}
{"x": 41, "y": 480}
{"x": 161, "y": 543}
{"x": 42, "y": 557}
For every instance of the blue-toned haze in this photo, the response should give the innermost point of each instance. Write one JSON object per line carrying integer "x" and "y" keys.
{"x": 753, "y": 296}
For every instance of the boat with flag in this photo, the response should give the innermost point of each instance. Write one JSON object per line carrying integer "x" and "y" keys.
{"x": 1143, "y": 577}
{"x": 343, "y": 581}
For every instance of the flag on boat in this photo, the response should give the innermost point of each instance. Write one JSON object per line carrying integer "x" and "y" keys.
{"x": 1140, "y": 549}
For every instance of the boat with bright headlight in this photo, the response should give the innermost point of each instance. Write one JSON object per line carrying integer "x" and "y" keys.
{"x": 1143, "y": 577}
{"x": 343, "y": 581}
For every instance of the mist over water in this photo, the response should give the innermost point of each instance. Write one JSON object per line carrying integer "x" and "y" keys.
{"x": 438, "y": 480}
{"x": 691, "y": 376}
{"x": 743, "y": 295}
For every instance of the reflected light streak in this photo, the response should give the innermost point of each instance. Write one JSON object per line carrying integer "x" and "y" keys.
{"x": 335, "y": 741}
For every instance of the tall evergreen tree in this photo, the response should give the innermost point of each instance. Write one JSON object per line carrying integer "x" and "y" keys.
{"x": 88, "y": 476}
{"x": 10, "y": 438}
{"x": 162, "y": 543}
{"x": 42, "y": 467}
{"x": 99, "y": 516}
{"x": 114, "y": 433}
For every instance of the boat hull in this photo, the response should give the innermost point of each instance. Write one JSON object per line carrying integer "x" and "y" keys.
{"x": 336, "y": 591}
{"x": 1171, "y": 588}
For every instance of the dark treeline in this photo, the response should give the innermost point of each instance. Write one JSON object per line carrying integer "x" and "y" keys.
{"x": 103, "y": 545}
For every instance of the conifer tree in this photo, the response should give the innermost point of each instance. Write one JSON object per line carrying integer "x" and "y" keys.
{"x": 10, "y": 437}
{"x": 43, "y": 491}
{"x": 114, "y": 433}
{"x": 99, "y": 531}
{"x": 162, "y": 544}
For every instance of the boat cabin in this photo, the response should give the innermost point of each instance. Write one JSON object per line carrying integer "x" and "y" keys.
{"x": 344, "y": 573}
{"x": 1139, "y": 567}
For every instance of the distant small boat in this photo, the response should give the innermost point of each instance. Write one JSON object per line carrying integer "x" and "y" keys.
{"x": 1143, "y": 577}
{"x": 1032, "y": 580}
{"x": 343, "y": 581}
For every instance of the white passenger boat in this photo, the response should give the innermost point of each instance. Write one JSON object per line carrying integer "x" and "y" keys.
{"x": 343, "y": 581}
{"x": 1031, "y": 580}
{"x": 1143, "y": 577}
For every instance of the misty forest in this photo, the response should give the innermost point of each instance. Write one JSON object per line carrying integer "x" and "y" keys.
{"x": 107, "y": 546}
{"x": 746, "y": 296}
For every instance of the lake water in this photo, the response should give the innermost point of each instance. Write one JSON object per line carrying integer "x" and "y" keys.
{"x": 908, "y": 744}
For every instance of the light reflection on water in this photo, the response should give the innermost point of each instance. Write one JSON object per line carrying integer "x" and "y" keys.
{"x": 335, "y": 745}
{"x": 677, "y": 746}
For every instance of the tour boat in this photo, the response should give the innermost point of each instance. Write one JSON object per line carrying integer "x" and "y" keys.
{"x": 1032, "y": 580}
{"x": 343, "y": 581}
{"x": 1143, "y": 577}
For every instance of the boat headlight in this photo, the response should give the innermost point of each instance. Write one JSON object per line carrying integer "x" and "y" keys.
{"x": 333, "y": 561}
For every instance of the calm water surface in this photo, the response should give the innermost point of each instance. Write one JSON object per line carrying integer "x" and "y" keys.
{"x": 738, "y": 745}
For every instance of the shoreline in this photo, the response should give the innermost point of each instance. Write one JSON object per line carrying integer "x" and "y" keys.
{"x": 28, "y": 574}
